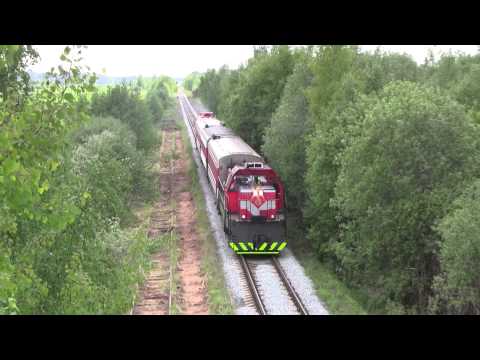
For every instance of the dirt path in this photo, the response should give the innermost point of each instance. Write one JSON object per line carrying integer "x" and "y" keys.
{"x": 154, "y": 295}
{"x": 193, "y": 291}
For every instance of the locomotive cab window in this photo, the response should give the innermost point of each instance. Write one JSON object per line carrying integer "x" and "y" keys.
{"x": 260, "y": 180}
{"x": 242, "y": 180}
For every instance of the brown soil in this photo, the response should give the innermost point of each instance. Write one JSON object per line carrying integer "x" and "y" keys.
{"x": 193, "y": 290}
{"x": 154, "y": 295}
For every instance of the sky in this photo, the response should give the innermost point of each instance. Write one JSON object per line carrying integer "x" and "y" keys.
{"x": 180, "y": 60}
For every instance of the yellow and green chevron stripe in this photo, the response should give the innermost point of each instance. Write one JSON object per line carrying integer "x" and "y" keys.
{"x": 243, "y": 248}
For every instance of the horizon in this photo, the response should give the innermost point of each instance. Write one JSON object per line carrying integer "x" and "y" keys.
{"x": 178, "y": 61}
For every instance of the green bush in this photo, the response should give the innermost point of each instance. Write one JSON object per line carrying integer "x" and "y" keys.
{"x": 284, "y": 141}
{"x": 104, "y": 162}
{"x": 77, "y": 265}
{"x": 101, "y": 278}
{"x": 35, "y": 122}
{"x": 8, "y": 287}
{"x": 125, "y": 103}
{"x": 96, "y": 126}
{"x": 334, "y": 131}
{"x": 159, "y": 97}
{"x": 396, "y": 180}
{"x": 113, "y": 169}
{"x": 192, "y": 81}
{"x": 457, "y": 288}
{"x": 63, "y": 182}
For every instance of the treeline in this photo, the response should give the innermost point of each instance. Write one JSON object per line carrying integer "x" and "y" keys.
{"x": 380, "y": 157}
{"x": 72, "y": 162}
{"x": 192, "y": 81}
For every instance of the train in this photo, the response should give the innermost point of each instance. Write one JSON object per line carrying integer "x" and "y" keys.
{"x": 249, "y": 194}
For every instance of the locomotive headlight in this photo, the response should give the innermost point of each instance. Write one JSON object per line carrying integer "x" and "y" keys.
{"x": 272, "y": 216}
{"x": 243, "y": 216}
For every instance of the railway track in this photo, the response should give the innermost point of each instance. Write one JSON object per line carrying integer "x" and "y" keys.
{"x": 156, "y": 294}
{"x": 257, "y": 289}
{"x": 260, "y": 289}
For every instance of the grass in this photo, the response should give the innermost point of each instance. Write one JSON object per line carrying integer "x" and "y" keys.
{"x": 219, "y": 301}
{"x": 334, "y": 293}
{"x": 338, "y": 298}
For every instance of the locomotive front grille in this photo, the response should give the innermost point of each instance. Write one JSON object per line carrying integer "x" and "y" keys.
{"x": 263, "y": 237}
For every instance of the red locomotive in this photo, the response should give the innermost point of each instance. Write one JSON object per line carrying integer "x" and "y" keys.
{"x": 249, "y": 194}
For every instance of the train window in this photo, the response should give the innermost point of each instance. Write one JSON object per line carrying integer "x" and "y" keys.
{"x": 260, "y": 180}
{"x": 242, "y": 180}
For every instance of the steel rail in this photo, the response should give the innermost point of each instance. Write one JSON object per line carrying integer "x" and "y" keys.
{"x": 252, "y": 286}
{"x": 291, "y": 290}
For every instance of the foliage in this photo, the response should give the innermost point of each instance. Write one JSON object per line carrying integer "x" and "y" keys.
{"x": 330, "y": 66}
{"x": 255, "y": 96}
{"x": 373, "y": 149}
{"x": 333, "y": 99}
{"x": 209, "y": 88}
{"x": 192, "y": 81}
{"x": 379, "y": 68}
{"x": 83, "y": 272}
{"x": 124, "y": 103}
{"x": 258, "y": 93}
{"x": 15, "y": 84}
{"x": 337, "y": 297}
{"x": 32, "y": 140}
{"x": 101, "y": 279}
{"x": 327, "y": 141}
{"x": 396, "y": 180}
{"x": 284, "y": 141}
{"x": 458, "y": 74}
{"x": 65, "y": 184}
{"x": 457, "y": 288}
{"x": 106, "y": 162}
{"x": 159, "y": 96}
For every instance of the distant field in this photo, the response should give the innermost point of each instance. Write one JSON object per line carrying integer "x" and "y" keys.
{"x": 104, "y": 80}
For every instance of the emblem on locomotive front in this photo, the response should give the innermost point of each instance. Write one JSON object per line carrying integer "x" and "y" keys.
{"x": 257, "y": 198}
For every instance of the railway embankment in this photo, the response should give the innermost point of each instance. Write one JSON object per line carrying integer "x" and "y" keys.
{"x": 218, "y": 297}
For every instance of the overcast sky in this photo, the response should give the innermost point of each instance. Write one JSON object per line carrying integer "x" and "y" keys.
{"x": 181, "y": 60}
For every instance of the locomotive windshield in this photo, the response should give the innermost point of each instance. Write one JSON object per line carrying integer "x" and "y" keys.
{"x": 243, "y": 180}
{"x": 246, "y": 180}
